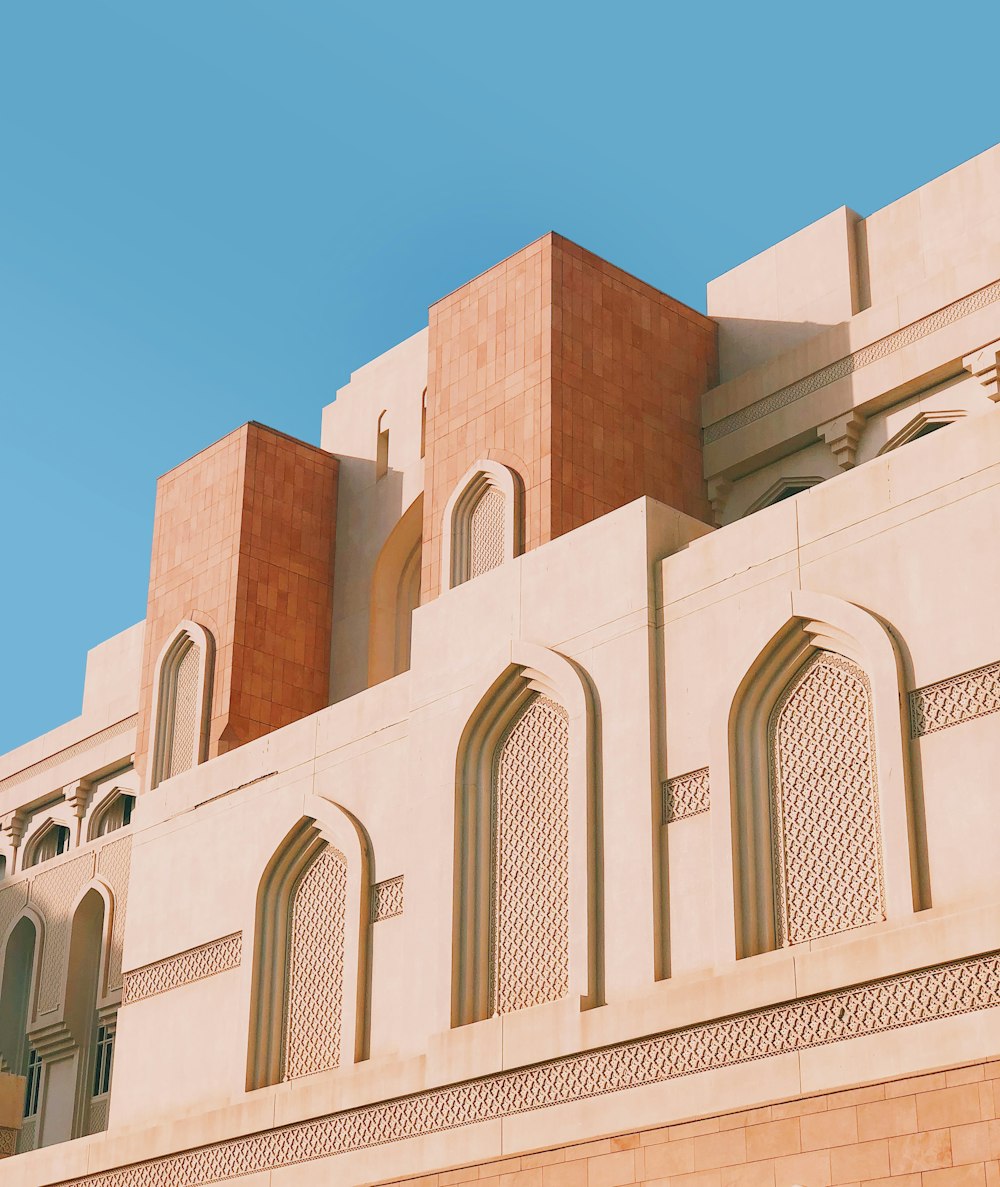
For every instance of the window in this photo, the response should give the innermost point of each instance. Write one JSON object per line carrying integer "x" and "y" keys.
{"x": 423, "y": 424}
{"x": 49, "y": 842}
{"x": 483, "y": 521}
{"x": 33, "y": 1081}
{"x": 113, "y": 814}
{"x": 308, "y": 1007}
{"x": 922, "y": 425}
{"x": 784, "y": 488}
{"x": 382, "y": 449}
{"x": 104, "y": 1048}
{"x": 183, "y": 694}
{"x": 526, "y": 849}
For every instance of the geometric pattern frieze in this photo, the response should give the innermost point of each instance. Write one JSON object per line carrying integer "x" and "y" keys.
{"x": 530, "y": 958}
{"x": 957, "y": 699}
{"x": 826, "y": 834}
{"x": 217, "y": 956}
{"x": 387, "y": 899}
{"x": 81, "y": 747}
{"x": 686, "y": 795}
{"x": 944, "y": 991}
{"x": 853, "y": 362}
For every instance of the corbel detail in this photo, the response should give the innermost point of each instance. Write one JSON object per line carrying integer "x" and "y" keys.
{"x": 77, "y": 795}
{"x": 842, "y": 435}
{"x": 984, "y": 364}
{"x": 53, "y": 1041}
{"x": 719, "y": 490}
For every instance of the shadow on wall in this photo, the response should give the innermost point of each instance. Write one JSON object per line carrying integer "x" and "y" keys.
{"x": 745, "y": 343}
{"x": 370, "y": 514}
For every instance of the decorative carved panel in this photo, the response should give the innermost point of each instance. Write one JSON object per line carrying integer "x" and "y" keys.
{"x": 387, "y": 899}
{"x": 52, "y": 892}
{"x": 195, "y": 964}
{"x": 531, "y": 859}
{"x": 950, "y": 702}
{"x": 12, "y": 901}
{"x": 686, "y": 795}
{"x": 486, "y": 532}
{"x": 890, "y": 1004}
{"x": 113, "y": 862}
{"x": 8, "y": 1141}
{"x": 315, "y": 993}
{"x": 97, "y": 1115}
{"x": 824, "y": 802}
{"x": 26, "y": 1136}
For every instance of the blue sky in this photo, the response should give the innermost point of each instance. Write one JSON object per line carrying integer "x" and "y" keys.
{"x": 213, "y": 211}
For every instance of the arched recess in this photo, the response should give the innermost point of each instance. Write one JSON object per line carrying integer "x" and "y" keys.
{"x": 395, "y": 595}
{"x": 182, "y": 689}
{"x": 483, "y": 522}
{"x": 86, "y": 977}
{"x": 20, "y": 954}
{"x": 309, "y": 997}
{"x": 857, "y": 651}
{"x": 526, "y": 912}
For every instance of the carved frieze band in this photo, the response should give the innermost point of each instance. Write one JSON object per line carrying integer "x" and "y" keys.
{"x": 853, "y": 362}
{"x": 950, "y": 702}
{"x": 194, "y": 965}
{"x": 387, "y": 899}
{"x": 686, "y": 795}
{"x": 941, "y": 992}
{"x": 81, "y": 747}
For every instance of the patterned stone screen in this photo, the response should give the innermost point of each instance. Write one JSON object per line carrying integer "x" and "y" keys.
{"x": 315, "y": 986}
{"x": 530, "y": 962}
{"x": 824, "y": 803}
{"x": 184, "y": 730}
{"x": 486, "y": 532}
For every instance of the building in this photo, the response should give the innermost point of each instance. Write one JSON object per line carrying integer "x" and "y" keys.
{"x": 580, "y": 771}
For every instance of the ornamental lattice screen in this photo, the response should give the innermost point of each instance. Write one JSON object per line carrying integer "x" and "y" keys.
{"x": 184, "y": 728}
{"x": 825, "y": 827}
{"x": 314, "y": 1001}
{"x": 530, "y": 959}
{"x": 486, "y": 532}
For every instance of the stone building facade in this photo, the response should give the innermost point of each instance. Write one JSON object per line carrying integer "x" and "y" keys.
{"x": 579, "y": 771}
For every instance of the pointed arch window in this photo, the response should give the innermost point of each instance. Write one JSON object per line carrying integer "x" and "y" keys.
{"x": 523, "y": 935}
{"x": 922, "y": 425}
{"x": 812, "y": 766}
{"x": 114, "y": 813}
{"x": 483, "y": 522}
{"x": 307, "y": 1009}
{"x": 17, "y": 996}
{"x": 50, "y": 841}
{"x": 182, "y": 702}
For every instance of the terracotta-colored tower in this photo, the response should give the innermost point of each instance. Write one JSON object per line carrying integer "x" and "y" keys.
{"x": 580, "y": 378}
{"x": 243, "y": 545}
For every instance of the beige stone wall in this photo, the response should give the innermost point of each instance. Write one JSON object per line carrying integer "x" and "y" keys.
{"x": 936, "y": 1130}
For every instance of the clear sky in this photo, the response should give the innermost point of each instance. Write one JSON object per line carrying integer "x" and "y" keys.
{"x": 212, "y": 211}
